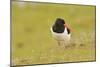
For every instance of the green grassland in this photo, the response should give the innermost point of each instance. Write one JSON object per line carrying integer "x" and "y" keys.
{"x": 32, "y": 42}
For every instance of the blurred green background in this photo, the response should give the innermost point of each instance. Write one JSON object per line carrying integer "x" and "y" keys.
{"x": 32, "y": 42}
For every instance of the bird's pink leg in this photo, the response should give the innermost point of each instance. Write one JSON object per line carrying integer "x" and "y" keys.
{"x": 59, "y": 43}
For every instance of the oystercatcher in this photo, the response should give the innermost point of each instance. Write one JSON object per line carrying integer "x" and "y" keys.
{"x": 61, "y": 32}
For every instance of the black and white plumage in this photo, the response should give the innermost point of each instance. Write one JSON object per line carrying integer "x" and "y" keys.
{"x": 60, "y": 31}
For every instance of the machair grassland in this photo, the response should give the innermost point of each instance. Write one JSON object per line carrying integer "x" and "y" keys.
{"x": 32, "y": 42}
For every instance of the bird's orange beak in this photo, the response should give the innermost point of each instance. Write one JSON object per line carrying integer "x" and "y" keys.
{"x": 67, "y": 26}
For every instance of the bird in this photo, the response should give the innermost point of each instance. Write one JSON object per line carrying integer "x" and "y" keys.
{"x": 61, "y": 32}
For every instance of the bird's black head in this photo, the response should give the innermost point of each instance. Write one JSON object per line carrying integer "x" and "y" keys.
{"x": 59, "y": 21}
{"x": 59, "y": 27}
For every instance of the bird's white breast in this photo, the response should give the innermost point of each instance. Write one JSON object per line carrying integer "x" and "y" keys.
{"x": 61, "y": 36}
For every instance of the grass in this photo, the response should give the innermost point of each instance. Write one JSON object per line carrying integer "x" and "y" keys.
{"x": 32, "y": 42}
